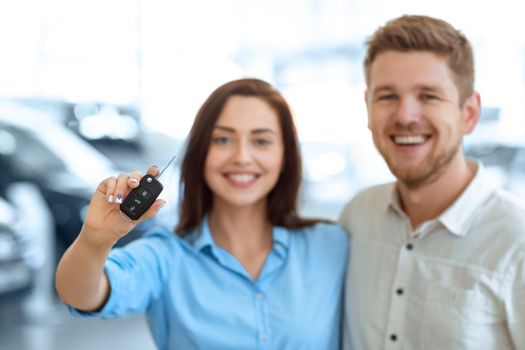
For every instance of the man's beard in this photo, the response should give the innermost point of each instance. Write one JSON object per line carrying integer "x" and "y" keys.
{"x": 418, "y": 177}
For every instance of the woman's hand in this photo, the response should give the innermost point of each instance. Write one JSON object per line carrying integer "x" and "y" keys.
{"x": 104, "y": 223}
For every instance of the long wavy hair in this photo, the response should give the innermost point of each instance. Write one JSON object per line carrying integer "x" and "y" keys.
{"x": 197, "y": 197}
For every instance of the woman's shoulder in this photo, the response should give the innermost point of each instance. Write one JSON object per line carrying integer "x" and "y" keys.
{"x": 324, "y": 232}
{"x": 158, "y": 245}
{"x": 166, "y": 236}
{"x": 159, "y": 232}
{"x": 160, "y": 237}
{"x": 323, "y": 242}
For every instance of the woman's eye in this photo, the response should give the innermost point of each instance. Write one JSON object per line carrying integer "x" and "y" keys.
{"x": 262, "y": 142}
{"x": 221, "y": 140}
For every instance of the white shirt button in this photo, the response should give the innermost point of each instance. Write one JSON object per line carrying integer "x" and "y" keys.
{"x": 260, "y": 296}
{"x": 264, "y": 337}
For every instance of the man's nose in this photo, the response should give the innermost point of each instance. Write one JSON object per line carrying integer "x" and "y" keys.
{"x": 408, "y": 110}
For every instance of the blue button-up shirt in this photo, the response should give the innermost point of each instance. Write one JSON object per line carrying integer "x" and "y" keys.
{"x": 197, "y": 295}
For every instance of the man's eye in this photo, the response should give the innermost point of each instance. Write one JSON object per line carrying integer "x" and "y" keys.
{"x": 386, "y": 97}
{"x": 429, "y": 97}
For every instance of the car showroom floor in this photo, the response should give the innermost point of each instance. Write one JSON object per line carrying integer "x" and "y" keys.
{"x": 61, "y": 331}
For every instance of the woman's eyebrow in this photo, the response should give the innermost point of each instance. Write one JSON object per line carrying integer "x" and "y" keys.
{"x": 224, "y": 128}
{"x": 254, "y": 131}
{"x": 260, "y": 131}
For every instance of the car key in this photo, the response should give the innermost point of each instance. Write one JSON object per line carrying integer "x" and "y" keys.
{"x": 140, "y": 199}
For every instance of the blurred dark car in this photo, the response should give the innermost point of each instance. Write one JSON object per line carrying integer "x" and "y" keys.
{"x": 96, "y": 122}
{"x": 22, "y": 254}
{"x": 15, "y": 269}
{"x": 64, "y": 167}
{"x": 27, "y": 252}
{"x": 115, "y": 130}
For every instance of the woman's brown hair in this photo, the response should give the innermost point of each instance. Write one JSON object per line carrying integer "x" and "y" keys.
{"x": 197, "y": 198}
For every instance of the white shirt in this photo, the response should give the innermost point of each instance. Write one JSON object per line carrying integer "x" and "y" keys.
{"x": 456, "y": 282}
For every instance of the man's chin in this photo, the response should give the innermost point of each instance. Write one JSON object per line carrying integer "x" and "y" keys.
{"x": 412, "y": 178}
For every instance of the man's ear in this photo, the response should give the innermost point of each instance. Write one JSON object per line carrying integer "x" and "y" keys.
{"x": 470, "y": 112}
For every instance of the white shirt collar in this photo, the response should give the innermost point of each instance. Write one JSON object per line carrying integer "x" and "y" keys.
{"x": 458, "y": 217}
{"x": 460, "y": 214}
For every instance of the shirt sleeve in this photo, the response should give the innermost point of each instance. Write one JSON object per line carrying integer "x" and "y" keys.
{"x": 136, "y": 274}
{"x": 516, "y": 303}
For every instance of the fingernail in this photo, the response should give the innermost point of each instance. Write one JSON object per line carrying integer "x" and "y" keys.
{"x": 119, "y": 199}
{"x": 134, "y": 180}
{"x": 110, "y": 198}
{"x": 161, "y": 205}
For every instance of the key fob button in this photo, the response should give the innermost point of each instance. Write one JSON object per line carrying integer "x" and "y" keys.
{"x": 143, "y": 193}
{"x": 139, "y": 200}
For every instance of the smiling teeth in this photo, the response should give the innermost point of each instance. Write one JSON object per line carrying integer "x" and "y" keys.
{"x": 242, "y": 178}
{"x": 409, "y": 140}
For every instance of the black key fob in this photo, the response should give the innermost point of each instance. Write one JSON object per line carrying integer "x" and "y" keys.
{"x": 140, "y": 199}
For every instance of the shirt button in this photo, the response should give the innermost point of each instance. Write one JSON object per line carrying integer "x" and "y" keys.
{"x": 260, "y": 296}
{"x": 399, "y": 291}
{"x": 264, "y": 337}
{"x": 410, "y": 246}
{"x": 393, "y": 337}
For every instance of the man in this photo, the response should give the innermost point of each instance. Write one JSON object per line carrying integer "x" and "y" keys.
{"x": 438, "y": 257}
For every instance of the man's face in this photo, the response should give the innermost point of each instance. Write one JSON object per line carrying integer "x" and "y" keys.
{"x": 414, "y": 114}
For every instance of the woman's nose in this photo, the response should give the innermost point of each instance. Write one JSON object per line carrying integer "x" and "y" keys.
{"x": 242, "y": 153}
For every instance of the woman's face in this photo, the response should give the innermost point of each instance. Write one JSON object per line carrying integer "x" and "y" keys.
{"x": 246, "y": 153}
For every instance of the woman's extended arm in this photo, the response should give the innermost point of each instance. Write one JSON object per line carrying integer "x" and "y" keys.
{"x": 80, "y": 278}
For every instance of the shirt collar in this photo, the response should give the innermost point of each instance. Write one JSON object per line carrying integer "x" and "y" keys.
{"x": 458, "y": 217}
{"x": 281, "y": 240}
{"x": 460, "y": 214}
{"x": 394, "y": 201}
{"x": 202, "y": 238}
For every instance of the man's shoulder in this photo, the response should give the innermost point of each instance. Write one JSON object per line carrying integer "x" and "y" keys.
{"x": 371, "y": 196}
{"x": 509, "y": 201}
{"x": 367, "y": 205}
{"x": 508, "y": 211}
{"x": 384, "y": 189}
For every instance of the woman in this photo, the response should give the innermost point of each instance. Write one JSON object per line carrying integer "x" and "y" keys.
{"x": 243, "y": 270}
